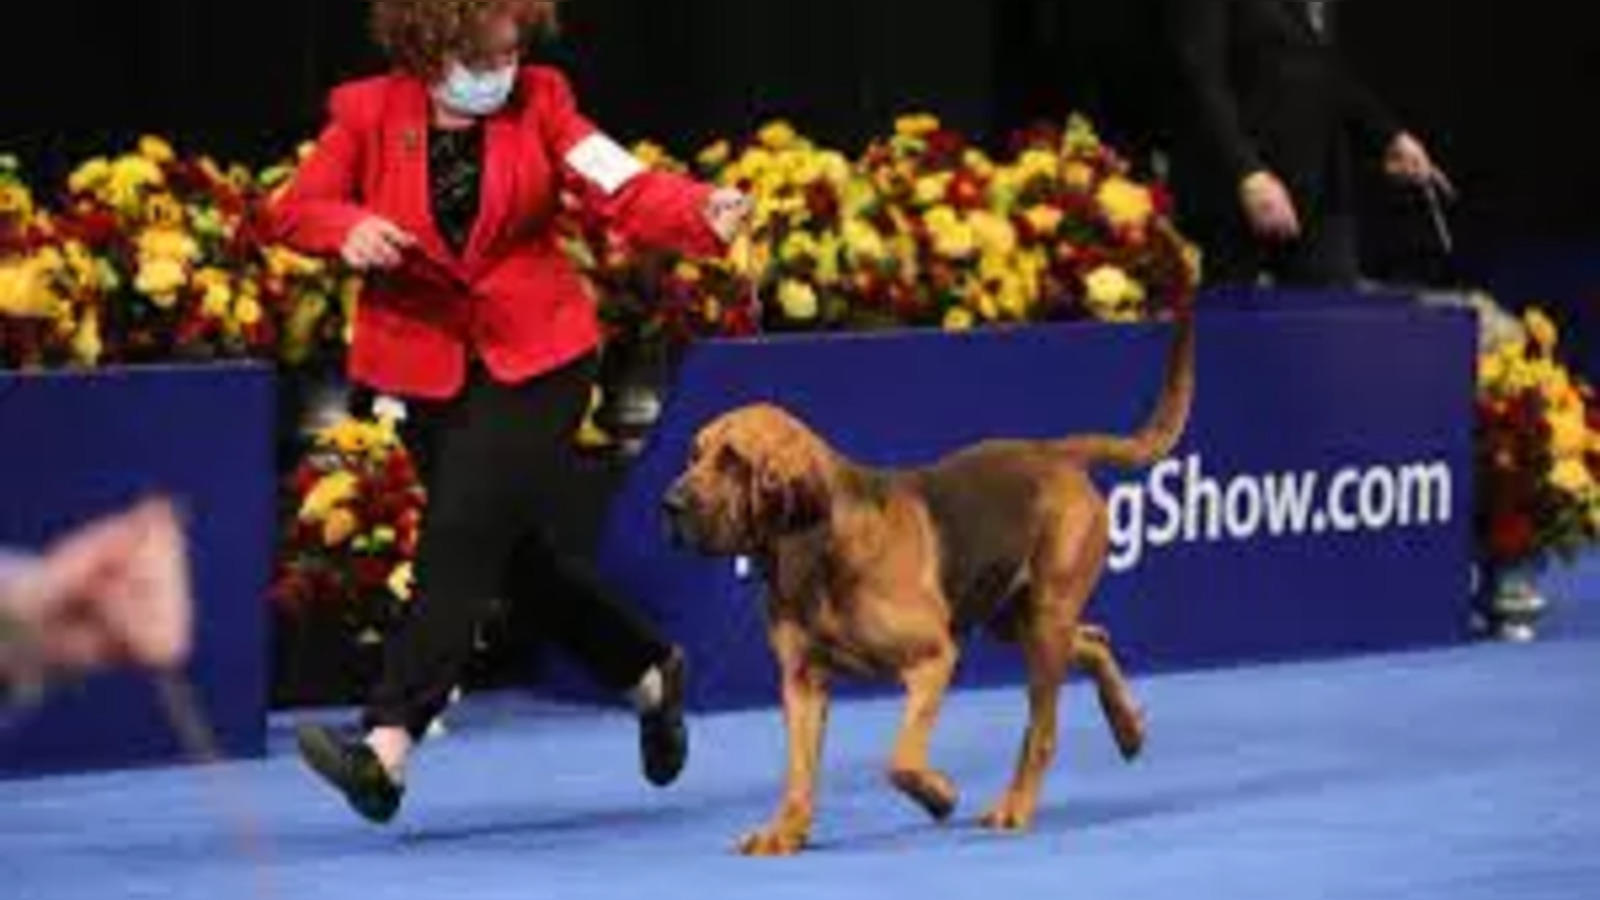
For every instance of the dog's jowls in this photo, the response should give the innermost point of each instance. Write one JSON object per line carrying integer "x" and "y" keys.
{"x": 879, "y": 573}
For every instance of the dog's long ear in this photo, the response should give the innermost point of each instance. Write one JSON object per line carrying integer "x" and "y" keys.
{"x": 790, "y": 493}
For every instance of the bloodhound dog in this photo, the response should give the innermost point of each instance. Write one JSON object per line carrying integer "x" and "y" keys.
{"x": 879, "y": 573}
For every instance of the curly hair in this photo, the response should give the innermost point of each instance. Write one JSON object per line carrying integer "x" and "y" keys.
{"x": 420, "y": 36}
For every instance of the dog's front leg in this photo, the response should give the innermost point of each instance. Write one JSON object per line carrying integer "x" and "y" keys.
{"x": 805, "y": 714}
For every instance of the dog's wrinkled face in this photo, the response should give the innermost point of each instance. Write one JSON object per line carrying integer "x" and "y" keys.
{"x": 753, "y": 475}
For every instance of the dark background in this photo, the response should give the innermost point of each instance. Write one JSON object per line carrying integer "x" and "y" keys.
{"x": 1504, "y": 90}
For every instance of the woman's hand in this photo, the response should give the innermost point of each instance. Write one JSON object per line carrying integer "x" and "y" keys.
{"x": 1269, "y": 208}
{"x": 375, "y": 243}
{"x": 1407, "y": 160}
{"x": 728, "y": 213}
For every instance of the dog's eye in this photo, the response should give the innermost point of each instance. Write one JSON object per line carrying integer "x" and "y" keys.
{"x": 727, "y": 460}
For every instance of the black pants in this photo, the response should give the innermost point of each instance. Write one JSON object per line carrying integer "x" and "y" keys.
{"x": 493, "y": 459}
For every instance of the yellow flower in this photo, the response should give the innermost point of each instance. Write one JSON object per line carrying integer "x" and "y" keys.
{"x": 217, "y": 297}
{"x": 932, "y": 189}
{"x": 353, "y": 437}
{"x": 1037, "y": 163}
{"x": 800, "y": 245}
{"x": 1110, "y": 293}
{"x": 86, "y": 344}
{"x": 716, "y": 155}
{"x": 283, "y": 262}
{"x": 402, "y": 582}
{"x": 916, "y": 126}
{"x": 799, "y": 300}
{"x": 164, "y": 210}
{"x": 1541, "y": 329}
{"x": 953, "y": 238}
{"x": 1078, "y": 175}
{"x": 778, "y": 135}
{"x": 862, "y": 240}
{"x": 651, "y": 155}
{"x": 979, "y": 162}
{"x": 130, "y": 176}
{"x": 334, "y": 488}
{"x": 168, "y": 243}
{"x": 26, "y": 291}
{"x": 247, "y": 311}
{"x": 160, "y": 279}
{"x": 15, "y": 202}
{"x": 1044, "y": 219}
{"x": 835, "y": 167}
{"x": 687, "y": 271}
{"x": 156, "y": 150}
{"x": 994, "y": 233}
{"x": 829, "y": 250}
{"x": 1080, "y": 138}
{"x": 1491, "y": 369}
{"x": 1569, "y": 434}
{"x": 1125, "y": 204}
{"x": 340, "y": 526}
{"x": 1571, "y": 476}
{"x": 89, "y": 176}
{"x": 959, "y": 318}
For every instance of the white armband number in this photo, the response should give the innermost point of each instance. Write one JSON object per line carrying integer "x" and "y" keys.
{"x": 604, "y": 162}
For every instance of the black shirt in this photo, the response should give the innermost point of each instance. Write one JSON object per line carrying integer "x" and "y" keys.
{"x": 455, "y": 176}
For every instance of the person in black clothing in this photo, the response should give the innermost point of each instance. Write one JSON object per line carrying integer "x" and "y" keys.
{"x": 1264, "y": 164}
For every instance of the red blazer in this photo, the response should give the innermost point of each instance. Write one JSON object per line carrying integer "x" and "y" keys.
{"x": 512, "y": 295}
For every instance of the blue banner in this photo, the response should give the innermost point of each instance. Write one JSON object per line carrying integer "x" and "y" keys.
{"x": 1319, "y": 504}
{"x": 76, "y": 446}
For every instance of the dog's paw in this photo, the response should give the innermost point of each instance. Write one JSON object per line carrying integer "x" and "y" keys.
{"x": 1010, "y": 815}
{"x": 1131, "y": 731}
{"x": 773, "y": 842}
{"x": 932, "y": 791}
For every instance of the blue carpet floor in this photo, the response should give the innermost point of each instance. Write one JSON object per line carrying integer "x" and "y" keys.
{"x": 1470, "y": 773}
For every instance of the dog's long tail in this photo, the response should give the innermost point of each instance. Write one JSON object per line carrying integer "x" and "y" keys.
{"x": 1165, "y": 426}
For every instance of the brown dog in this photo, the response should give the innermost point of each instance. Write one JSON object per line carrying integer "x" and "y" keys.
{"x": 878, "y": 573}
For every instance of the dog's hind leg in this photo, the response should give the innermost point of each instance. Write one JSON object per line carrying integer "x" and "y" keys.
{"x": 926, "y": 682}
{"x": 1066, "y": 570}
{"x": 1092, "y": 650}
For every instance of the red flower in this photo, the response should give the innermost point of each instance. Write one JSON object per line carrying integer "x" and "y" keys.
{"x": 1161, "y": 195}
{"x": 966, "y": 191}
{"x": 945, "y": 148}
{"x": 371, "y": 573}
{"x": 822, "y": 201}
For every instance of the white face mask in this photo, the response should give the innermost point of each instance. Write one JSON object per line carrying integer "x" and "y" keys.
{"x": 470, "y": 93}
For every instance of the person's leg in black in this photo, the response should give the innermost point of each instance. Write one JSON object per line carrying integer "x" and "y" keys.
{"x": 479, "y": 503}
{"x": 553, "y": 584}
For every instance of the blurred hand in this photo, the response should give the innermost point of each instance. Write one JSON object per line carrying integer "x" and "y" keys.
{"x": 1269, "y": 208}
{"x": 728, "y": 212}
{"x": 115, "y": 592}
{"x": 375, "y": 243}
{"x": 1408, "y": 160}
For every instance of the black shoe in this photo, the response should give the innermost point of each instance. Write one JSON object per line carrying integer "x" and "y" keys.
{"x": 663, "y": 736}
{"x": 354, "y": 770}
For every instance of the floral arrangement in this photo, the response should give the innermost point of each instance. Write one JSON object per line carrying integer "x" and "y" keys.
{"x": 1538, "y": 451}
{"x": 353, "y": 512}
{"x": 923, "y": 230}
{"x": 152, "y": 257}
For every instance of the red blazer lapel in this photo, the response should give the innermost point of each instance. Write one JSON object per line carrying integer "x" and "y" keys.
{"x": 407, "y": 152}
{"x": 501, "y": 159}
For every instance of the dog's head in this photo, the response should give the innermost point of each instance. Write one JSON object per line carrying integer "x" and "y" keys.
{"x": 753, "y": 475}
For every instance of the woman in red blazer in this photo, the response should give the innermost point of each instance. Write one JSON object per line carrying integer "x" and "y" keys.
{"x": 442, "y": 180}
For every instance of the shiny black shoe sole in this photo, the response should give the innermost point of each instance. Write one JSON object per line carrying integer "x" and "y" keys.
{"x": 663, "y": 733}
{"x": 353, "y": 770}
